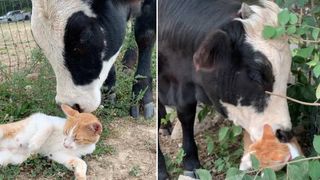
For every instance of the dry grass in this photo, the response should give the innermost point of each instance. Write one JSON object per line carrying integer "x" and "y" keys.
{"x": 16, "y": 43}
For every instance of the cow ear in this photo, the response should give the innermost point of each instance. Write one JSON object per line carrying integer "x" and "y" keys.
{"x": 214, "y": 48}
{"x": 245, "y": 11}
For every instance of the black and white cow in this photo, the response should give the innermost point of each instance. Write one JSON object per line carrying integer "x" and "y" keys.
{"x": 212, "y": 51}
{"x": 82, "y": 39}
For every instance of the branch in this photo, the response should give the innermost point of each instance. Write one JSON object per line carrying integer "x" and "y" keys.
{"x": 293, "y": 100}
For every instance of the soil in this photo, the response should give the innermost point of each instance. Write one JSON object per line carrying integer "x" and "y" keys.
{"x": 135, "y": 150}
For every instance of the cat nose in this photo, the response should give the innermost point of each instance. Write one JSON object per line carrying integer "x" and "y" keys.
{"x": 67, "y": 146}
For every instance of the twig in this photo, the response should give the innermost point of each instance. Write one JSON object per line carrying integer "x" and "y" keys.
{"x": 292, "y": 99}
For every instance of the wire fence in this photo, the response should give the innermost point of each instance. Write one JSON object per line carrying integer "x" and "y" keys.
{"x": 16, "y": 40}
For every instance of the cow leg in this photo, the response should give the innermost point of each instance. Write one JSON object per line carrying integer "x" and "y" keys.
{"x": 162, "y": 170}
{"x": 108, "y": 88}
{"x": 145, "y": 37}
{"x": 186, "y": 115}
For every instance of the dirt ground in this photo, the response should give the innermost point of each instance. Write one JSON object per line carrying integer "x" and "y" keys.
{"x": 134, "y": 144}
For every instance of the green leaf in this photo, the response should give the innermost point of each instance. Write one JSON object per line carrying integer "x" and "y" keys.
{"x": 223, "y": 133}
{"x": 203, "y": 113}
{"x": 269, "y": 32}
{"x": 318, "y": 92}
{"x": 316, "y": 143}
{"x": 294, "y": 172}
{"x": 210, "y": 145}
{"x": 314, "y": 170}
{"x": 204, "y": 174}
{"x": 236, "y": 130}
{"x": 315, "y": 33}
{"x": 234, "y": 174}
{"x": 316, "y": 71}
{"x": 268, "y": 174}
{"x": 302, "y": 3}
{"x": 293, "y": 18}
{"x": 301, "y": 30}
{"x": 283, "y": 17}
{"x": 315, "y": 60}
{"x": 305, "y": 52}
{"x": 291, "y": 29}
{"x": 255, "y": 162}
{"x": 280, "y": 31}
{"x": 179, "y": 157}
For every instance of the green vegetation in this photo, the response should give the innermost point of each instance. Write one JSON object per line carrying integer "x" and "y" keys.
{"x": 22, "y": 95}
{"x": 10, "y": 5}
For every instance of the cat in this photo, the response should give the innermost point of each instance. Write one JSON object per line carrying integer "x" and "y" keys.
{"x": 269, "y": 150}
{"x": 62, "y": 140}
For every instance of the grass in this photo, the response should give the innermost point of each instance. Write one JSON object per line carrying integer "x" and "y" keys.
{"x": 21, "y": 96}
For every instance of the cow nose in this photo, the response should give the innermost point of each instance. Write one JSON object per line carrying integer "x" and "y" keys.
{"x": 77, "y": 107}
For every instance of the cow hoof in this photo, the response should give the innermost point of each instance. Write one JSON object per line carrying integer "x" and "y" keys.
{"x": 148, "y": 110}
{"x": 191, "y": 174}
{"x": 134, "y": 111}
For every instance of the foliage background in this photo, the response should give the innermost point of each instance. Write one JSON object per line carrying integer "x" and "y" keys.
{"x": 9, "y": 5}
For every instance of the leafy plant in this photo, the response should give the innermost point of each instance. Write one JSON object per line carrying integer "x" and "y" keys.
{"x": 174, "y": 165}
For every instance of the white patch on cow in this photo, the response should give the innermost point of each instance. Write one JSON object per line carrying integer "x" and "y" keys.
{"x": 87, "y": 96}
{"x": 278, "y": 53}
{"x": 253, "y": 121}
{"x": 48, "y": 22}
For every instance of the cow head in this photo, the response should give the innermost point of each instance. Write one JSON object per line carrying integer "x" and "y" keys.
{"x": 74, "y": 42}
{"x": 236, "y": 65}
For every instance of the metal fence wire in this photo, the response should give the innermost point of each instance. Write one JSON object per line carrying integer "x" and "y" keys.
{"x": 16, "y": 40}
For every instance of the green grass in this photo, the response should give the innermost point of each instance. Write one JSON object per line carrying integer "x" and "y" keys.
{"x": 20, "y": 97}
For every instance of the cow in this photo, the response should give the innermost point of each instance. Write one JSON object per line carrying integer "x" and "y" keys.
{"x": 82, "y": 39}
{"x": 213, "y": 52}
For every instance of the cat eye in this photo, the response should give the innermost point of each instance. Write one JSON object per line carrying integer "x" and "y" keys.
{"x": 284, "y": 136}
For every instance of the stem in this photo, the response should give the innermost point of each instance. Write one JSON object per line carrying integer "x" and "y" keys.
{"x": 292, "y": 99}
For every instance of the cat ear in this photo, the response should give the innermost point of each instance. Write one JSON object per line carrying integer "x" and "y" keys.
{"x": 68, "y": 111}
{"x": 267, "y": 131}
{"x": 96, "y": 128}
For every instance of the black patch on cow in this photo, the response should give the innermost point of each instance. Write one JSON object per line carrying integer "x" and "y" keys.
{"x": 84, "y": 39}
{"x": 83, "y": 47}
{"x": 238, "y": 72}
{"x": 233, "y": 71}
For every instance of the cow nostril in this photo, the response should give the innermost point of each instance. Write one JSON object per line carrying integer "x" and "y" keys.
{"x": 77, "y": 107}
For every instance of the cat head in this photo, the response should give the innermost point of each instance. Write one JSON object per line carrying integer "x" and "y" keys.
{"x": 80, "y": 129}
{"x": 270, "y": 151}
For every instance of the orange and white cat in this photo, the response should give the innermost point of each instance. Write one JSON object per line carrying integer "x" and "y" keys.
{"x": 62, "y": 140}
{"x": 269, "y": 150}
